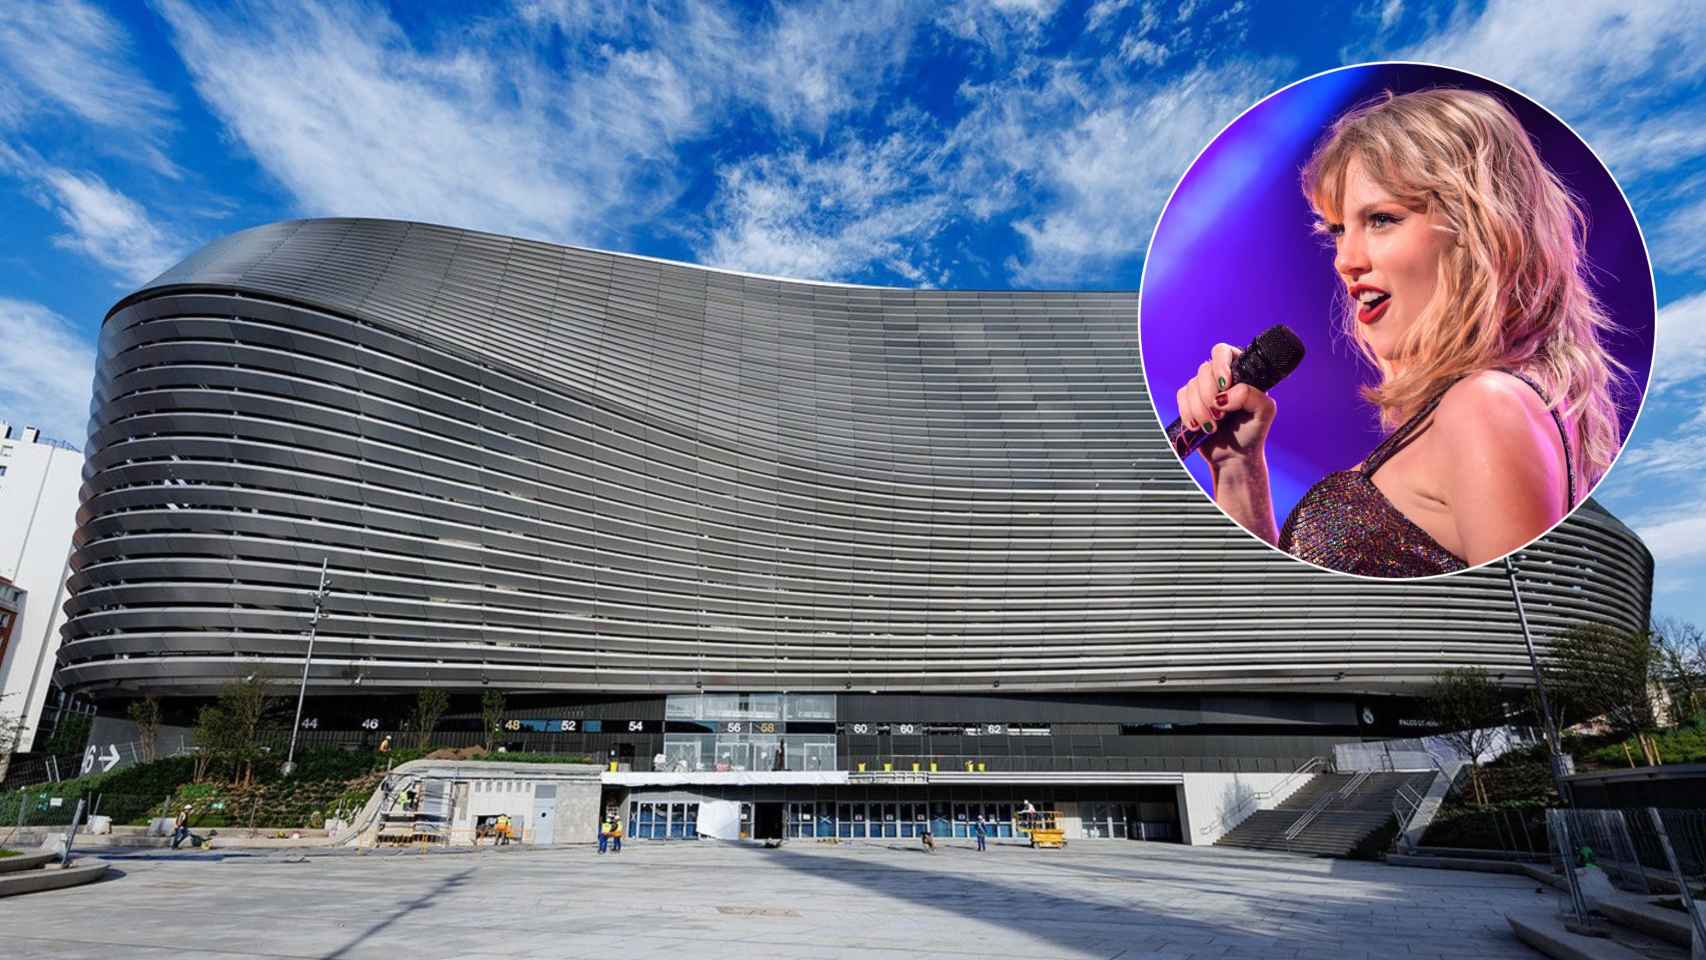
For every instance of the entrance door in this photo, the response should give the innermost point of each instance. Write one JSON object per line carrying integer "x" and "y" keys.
{"x": 767, "y": 821}
{"x": 542, "y": 825}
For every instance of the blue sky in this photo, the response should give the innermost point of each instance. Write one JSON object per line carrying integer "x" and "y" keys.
{"x": 1017, "y": 143}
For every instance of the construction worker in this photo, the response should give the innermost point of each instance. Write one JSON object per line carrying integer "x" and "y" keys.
{"x": 181, "y": 827}
{"x": 503, "y": 830}
{"x": 604, "y": 828}
{"x": 615, "y": 834}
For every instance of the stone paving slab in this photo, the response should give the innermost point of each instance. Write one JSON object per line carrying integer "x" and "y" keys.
{"x": 1109, "y": 900}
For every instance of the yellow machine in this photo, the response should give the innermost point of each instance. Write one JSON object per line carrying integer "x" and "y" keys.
{"x": 1043, "y": 828}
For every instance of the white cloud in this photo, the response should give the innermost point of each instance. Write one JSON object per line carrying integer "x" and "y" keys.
{"x": 109, "y": 227}
{"x": 71, "y": 58}
{"x": 1138, "y": 50}
{"x": 1569, "y": 56}
{"x": 354, "y": 118}
{"x": 1390, "y": 12}
{"x": 1679, "y": 241}
{"x": 802, "y": 63}
{"x": 819, "y": 61}
{"x": 1102, "y": 11}
{"x": 1661, "y": 463}
{"x": 1101, "y": 152}
{"x": 832, "y": 216}
{"x": 1680, "y": 344}
{"x": 1636, "y": 147}
{"x": 101, "y": 223}
{"x": 1001, "y": 26}
{"x": 1675, "y": 541}
{"x": 46, "y": 383}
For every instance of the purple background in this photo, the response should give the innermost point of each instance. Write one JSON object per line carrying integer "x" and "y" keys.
{"x": 1234, "y": 254}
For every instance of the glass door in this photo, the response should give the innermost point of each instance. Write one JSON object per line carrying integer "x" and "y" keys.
{"x": 891, "y": 819}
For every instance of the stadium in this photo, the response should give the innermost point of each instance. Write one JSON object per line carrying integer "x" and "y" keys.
{"x": 845, "y": 553}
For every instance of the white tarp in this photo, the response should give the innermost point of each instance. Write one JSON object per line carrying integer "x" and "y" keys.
{"x": 719, "y": 819}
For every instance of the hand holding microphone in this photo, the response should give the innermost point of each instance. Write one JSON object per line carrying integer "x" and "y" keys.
{"x": 1227, "y": 400}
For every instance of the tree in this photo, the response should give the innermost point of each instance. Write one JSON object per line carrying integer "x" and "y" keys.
{"x": 430, "y": 704}
{"x": 1680, "y": 647}
{"x": 491, "y": 714}
{"x": 145, "y": 713}
{"x": 212, "y": 728}
{"x": 11, "y": 727}
{"x": 1471, "y": 708}
{"x": 235, "y": 732}
{"x": 70, "y": 735}
{"x": 1604, "y": 673}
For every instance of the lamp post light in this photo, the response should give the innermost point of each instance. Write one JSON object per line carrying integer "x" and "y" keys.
{"x": 302, "y": 691}
{"x": 1553, "y": 740}
{"x": 1578, "y": 902}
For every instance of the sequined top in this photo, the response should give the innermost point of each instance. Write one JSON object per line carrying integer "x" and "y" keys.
{"x": 1345, "y": 523}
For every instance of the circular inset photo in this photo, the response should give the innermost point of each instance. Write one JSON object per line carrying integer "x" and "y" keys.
{"x": 1403, "y": 317}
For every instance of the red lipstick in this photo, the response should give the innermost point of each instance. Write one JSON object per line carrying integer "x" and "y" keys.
{"x": 1371, "y": 302}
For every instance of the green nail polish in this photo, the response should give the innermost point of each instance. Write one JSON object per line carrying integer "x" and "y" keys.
{"x": 1223, "y": 383}
{"x": 1209, "y": 425}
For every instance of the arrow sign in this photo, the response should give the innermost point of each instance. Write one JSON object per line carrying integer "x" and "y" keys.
{"x": 109, "y": 760}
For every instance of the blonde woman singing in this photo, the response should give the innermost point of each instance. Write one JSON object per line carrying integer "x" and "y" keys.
{"x": 1460, "y": 256}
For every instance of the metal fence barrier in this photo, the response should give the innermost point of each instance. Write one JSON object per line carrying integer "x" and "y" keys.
{"x": 1630, "y": 846}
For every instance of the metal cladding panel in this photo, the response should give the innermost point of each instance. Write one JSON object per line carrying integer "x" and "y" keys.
{"x": 577, "y": 470}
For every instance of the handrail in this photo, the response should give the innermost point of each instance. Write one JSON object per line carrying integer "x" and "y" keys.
{"x": 1320, "y": 805}
{"x": 1308, "y": 767}
{"x": 1406, "y": 803}
{"x": 376, "y": 808}
{"x": 1309, "y": 816}
{"x": 1406, "y": 806}
{"x": 1356, "y": 782}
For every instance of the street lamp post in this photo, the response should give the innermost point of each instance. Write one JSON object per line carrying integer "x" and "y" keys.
{"x": 302, "y": 691}
{"x": 1553, "y": 740}
{"x": 1578, "y": 903}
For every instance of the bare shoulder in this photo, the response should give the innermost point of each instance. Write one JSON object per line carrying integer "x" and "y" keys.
{"x": 1494, "y": 412}
{"x": 1495, "y": 453}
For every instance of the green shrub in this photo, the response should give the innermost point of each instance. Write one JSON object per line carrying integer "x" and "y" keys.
{"x": 1684, "y": 744}
{"x": 1515, "y": 827}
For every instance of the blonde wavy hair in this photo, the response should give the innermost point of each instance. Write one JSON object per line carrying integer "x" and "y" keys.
{"x": 1513, "y": 290}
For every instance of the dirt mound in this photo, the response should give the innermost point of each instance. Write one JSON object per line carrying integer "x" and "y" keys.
{"x": 458, "y": 753}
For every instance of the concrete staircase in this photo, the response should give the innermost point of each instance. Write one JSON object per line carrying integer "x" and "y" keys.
{"x": 1352, "y": 806}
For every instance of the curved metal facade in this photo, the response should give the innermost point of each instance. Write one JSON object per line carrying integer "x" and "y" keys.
{"x": 554, "y": 468}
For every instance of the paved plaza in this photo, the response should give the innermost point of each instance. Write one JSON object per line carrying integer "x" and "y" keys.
{"x": 1108, "y": 899}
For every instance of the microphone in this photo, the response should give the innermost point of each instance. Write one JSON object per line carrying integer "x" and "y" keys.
{"x": 1269, "y": 358}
